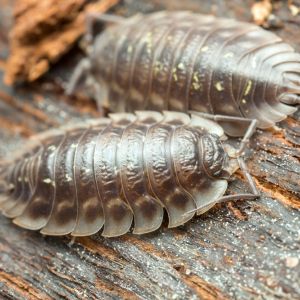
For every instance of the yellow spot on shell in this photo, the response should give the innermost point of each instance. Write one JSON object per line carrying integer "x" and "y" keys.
{"x": 47, "y": 180}
{"x": 195, "y": 77}
{"x": 248, "y": 87}
{"x": 174, "y": 74}
{"x": 148, "y": 39}
{"x": 219, "y": 86}
{"x": 87, "y": 171}
{"x": 129, "y": 49}
{"x": 254, "y": 63}
{"x": 180, "y": 66}
{"x": 158, "y": 67}
{"x": 51, "y": 148}
{"x": 204, "y": 49}
{"x": 229, "y": 54}
{"x": 244, "y": 101}
{"x": 149, "y": 34}
{"x": 68, "y": 178}
{"x": 294, "y": 10}
{"x": 196, "y": 86}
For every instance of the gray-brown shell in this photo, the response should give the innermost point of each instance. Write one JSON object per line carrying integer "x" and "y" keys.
{"x": 183, "y": 61}
{"x": 117, "y": 172}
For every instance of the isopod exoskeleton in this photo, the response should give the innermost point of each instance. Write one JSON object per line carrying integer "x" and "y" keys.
{"x": 184, "y": 61}
{"x": 112, "y": 172}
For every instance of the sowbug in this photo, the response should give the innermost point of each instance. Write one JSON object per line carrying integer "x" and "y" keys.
{"x": 183, "y": 61}
{"x": 112, "y": 172}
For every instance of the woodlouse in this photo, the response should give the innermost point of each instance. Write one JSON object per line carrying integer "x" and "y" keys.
{"x": 114, "y": 171}
{"x": 184, "y": 61}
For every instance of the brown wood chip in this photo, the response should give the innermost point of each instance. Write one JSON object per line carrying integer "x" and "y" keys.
{"x": 43, "y": 32}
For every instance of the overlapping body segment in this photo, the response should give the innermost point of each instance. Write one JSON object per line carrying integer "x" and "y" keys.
{"x": 184, "y": 61}
{"x": 118, "y": 172}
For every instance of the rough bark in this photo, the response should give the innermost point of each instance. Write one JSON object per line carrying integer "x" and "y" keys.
{"x": 242, "y": 250}
{"x": 43, "y": 32}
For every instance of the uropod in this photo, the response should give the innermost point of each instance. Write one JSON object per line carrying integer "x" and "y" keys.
{"x": 184, "y": 61}
{"x": 117, "y": 173}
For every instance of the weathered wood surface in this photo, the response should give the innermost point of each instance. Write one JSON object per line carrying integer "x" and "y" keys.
{"x": 245, "y": 250}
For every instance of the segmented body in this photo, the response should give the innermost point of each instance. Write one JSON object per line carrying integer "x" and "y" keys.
{"x": 183, "y": 61}
{"x": 110, "y": 173}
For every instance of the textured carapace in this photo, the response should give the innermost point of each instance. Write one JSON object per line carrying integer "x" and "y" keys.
{"x": 184, "y": 61}
{"x": 112, "y": 172}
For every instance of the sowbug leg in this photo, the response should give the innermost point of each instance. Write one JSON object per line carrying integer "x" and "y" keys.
{"x": 221, "y": 118}
{"x": 250, "y": 130}
{"x": 100, "y": 93}
{"x": 248, "y": 177}
{"x": 233, "y": 126}
{"x": 239, "y": 153}
{"x": 82, "y": 69}
{"x": 243, "y": 144}
{"x": 243, "y": 196}
{"x": 92, "y": 18}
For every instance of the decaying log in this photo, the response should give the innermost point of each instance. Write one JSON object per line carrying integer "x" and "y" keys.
{"x": 242, "y": 250}
{"x": 43, "y": 32}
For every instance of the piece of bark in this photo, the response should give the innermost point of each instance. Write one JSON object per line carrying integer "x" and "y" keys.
{"x": 242, "y": 250}
{"x": 43, "y": 32}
